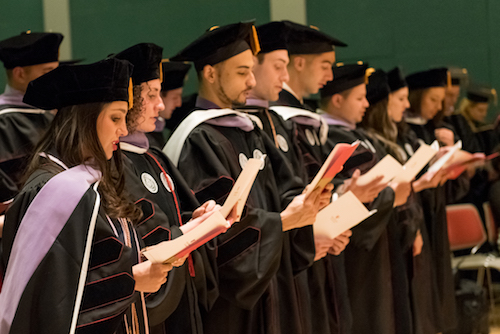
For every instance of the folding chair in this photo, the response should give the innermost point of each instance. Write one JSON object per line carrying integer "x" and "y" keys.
{"x": 465, "y": 230}
{"x": 491, "y": 227}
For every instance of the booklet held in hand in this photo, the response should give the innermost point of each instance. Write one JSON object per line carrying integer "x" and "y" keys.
{"x": 341, "y": 215}
{"x": 172, "y": 250}
{"x": 332, "y": 165}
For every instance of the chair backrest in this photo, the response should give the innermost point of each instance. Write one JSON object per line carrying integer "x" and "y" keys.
{"x": 491, "y": 227}
{"x": 465, "y": 227}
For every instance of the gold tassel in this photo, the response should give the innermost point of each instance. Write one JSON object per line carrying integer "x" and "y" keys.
{"x": 254, "y": 41}
{"x": 161, "y": 69}
{"x": 495, "y": 96}
{"x": 213, "y": 28}
{"x": 448, "y": 78}
{"x": 369, "y": 71}
{"x": 130, "y": 94}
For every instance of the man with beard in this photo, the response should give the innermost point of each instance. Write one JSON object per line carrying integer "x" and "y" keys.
{"x": 210, "y": 147}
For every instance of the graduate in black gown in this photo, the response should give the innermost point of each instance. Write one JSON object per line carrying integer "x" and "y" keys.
{"x": 427, "y": 91}
{"x": 318, "y": 305}
{"x": 375, "y": 303}
{"x": 167, "y": 203}
{"x": 73, "y": 258}
{"x": 25, "y": 58}
{"x": 415, "y": 239}
{"x": 210, "y": 147}
{"x": 459, "y": 78}
{"x": 173, "y": 75}
{"x": 470, "y": 126}
{"x": 471, "y": 116}
{"x": 312, "y": 53}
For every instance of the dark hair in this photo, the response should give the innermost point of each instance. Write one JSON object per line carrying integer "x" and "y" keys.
{"x": 415, "y": 98}
{"x": 379, "y": 126}
{"x": 135, "y": 113}
{"x": 323, "y": 102}
{"x": 261, "y": 58}
{"x": 73, "y": 135}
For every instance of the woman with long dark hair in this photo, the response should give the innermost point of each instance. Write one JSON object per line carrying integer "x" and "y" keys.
{"x": 168, "y": 203}
{"x": 388, "y": 96}
{"x": 71, "y": 252}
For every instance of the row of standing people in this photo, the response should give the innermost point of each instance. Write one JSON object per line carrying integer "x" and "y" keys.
{"x": 269, "y": 273}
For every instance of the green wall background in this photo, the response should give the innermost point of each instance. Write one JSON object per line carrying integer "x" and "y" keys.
{"x": 413, "y": 34}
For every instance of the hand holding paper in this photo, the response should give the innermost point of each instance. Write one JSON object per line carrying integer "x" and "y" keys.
{"x": 302, "y": 210}
{"x": 417, "y": 162}
{"x": 401, "y": 192}
{"x": 388, "y": 167}
{"x": 429, "y": 181}
{"x": 341, "y": 215}
{"x": 149, "y": 276}
{"x": 368, "y": 192}
{"x": 332, "y": 165}
{"x": 212, "y": 220}
{"x": 340, "y": 243}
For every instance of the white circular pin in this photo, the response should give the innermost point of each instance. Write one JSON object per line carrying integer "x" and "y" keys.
{"x": 257, "y": 154}
{"x": 166, "y": 183}
{"x": 283, "y": 144}
{"x": 310, "y": 137}
{"x": 243, "y": 160}
{"x": 149, "y": 182}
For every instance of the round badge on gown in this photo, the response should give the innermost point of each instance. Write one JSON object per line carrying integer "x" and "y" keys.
{"x": 166, "y": 183}
{"x": 257, "y": 154}
{"x": 149, "y": 182}
{"x": 310, "y": 137}
{"x": 282, "y": 143}
{"x": 243, "y": 160}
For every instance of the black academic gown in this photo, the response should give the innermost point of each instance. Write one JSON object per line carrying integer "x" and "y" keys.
{"x": 21, "y": 128}
{"x": 156, "y": 139}
{"x": 110, "y": 303}
{"x": 324, "y": 302}
{"x": 422, "y": 273}
{"x": 434, "y": 203}
{"x": 470, "y": 142}
{"x": 381, "y": 303}
{"x": 254, "y": 256}
{"x": 330, "y": 308}
{"x": 166, "y": 201}
{"x": 481, "y": 139}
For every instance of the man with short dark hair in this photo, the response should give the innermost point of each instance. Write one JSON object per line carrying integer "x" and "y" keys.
{"x": 210, "y": 148}
{"x": 25, "y": 58}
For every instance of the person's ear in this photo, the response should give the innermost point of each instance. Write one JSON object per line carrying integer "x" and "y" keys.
{"x": 209, "y": 73}
{"x": 299, "y": 63}
{"x": 337, "y": 100}
{"x": 19, "y": 74}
